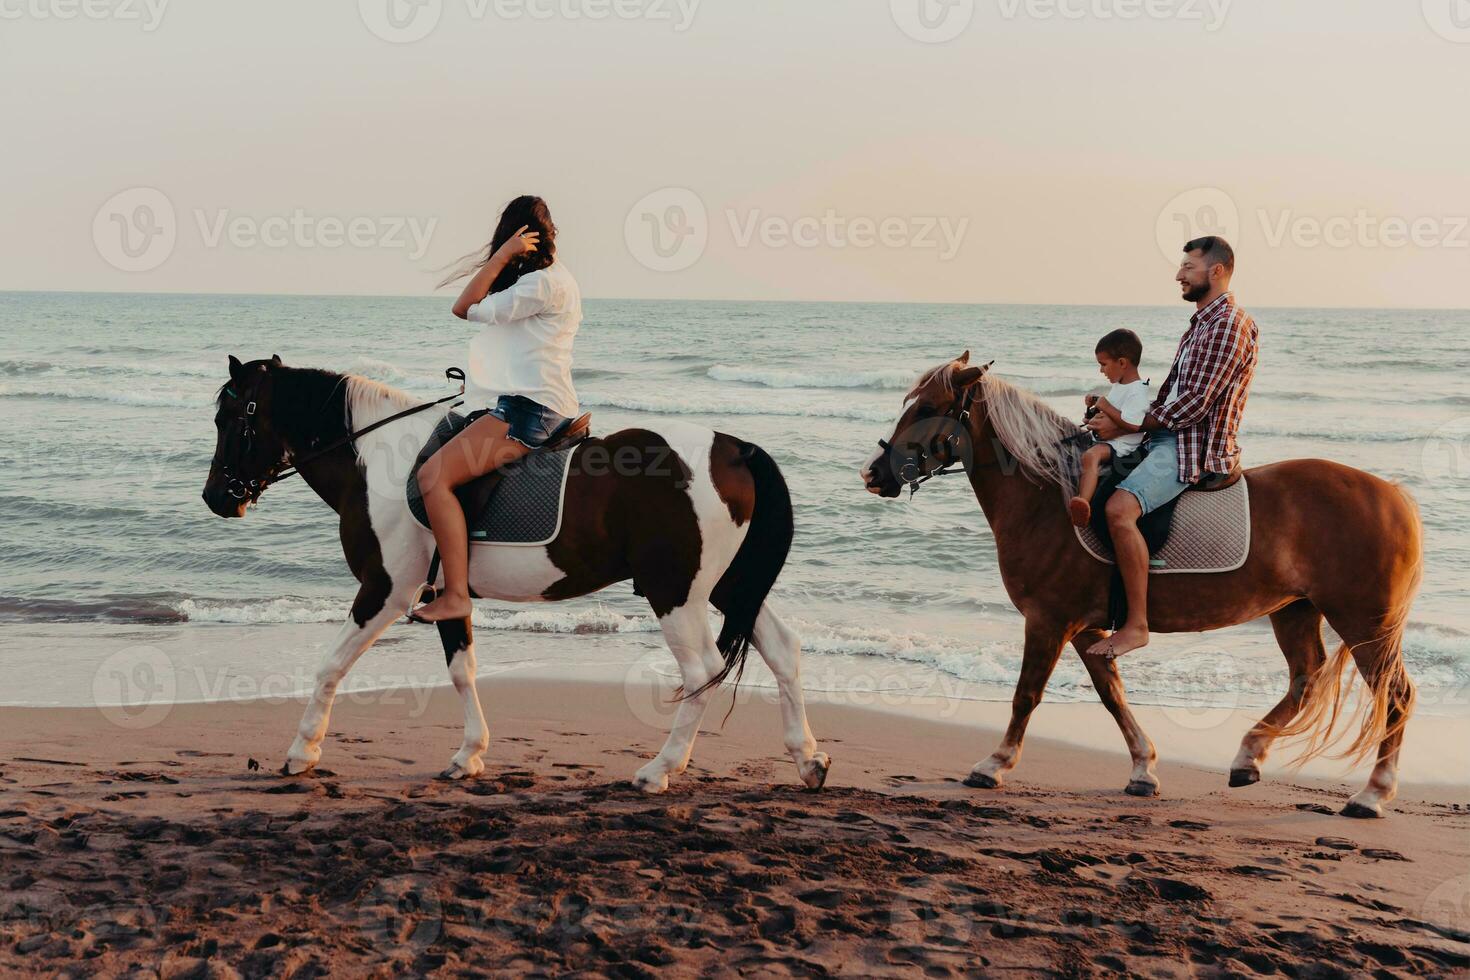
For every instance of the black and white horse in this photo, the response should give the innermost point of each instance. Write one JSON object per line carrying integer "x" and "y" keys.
{"x": 692, "y": 516}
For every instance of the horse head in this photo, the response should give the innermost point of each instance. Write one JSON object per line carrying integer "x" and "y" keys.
{"x": 932, "y": 431}
{"x": 248, "y": 450}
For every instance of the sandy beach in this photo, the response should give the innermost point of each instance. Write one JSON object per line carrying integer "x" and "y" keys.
{"x": 162, "y": 850}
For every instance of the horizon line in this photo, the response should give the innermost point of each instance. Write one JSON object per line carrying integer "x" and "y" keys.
{"x": 692, "y": 299}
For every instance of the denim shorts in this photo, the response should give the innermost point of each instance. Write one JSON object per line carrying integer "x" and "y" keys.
{"x": 1155, "y": 481}
{"x": 531, "y": 423}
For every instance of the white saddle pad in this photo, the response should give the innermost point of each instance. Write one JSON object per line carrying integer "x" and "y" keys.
{"x": 1211, "y": 533}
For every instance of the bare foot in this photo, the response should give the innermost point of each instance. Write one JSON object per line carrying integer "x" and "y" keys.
{"x": 1081, "y": 512}
{"x": 445, "y": 608}
{"x": 1126, "y": 640}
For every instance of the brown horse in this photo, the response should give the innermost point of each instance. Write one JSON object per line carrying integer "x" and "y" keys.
{"x": 1328, "y": 541}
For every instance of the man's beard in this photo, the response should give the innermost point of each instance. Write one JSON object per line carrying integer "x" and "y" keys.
{"x": 1196, "y": 293}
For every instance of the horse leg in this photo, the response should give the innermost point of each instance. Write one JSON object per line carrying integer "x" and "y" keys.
{"x": 351, "y": 643}
{"x": 1043, "y": 649}
{"x": 780, "y": 647}
{"x": 687, "y": 632}
{"x": 1377, "y": 649}
{"x": 1298, "y": 630}
{"x": 458, "y": 639}
{"x": 1109, "y": 686}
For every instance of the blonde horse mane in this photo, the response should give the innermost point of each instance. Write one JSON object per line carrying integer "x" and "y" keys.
{"x": 1037, "y": 436}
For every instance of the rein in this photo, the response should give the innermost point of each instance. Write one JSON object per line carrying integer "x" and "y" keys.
{"x": 241, "y": 489}
{"x": 912, "y": 471}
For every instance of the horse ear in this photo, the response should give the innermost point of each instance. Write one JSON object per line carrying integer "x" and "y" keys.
{"x": 236, "y": 368}
{"x": 276, "y": 360}
{"x": 963, "y": 358}
{"x": 963, "y": 379}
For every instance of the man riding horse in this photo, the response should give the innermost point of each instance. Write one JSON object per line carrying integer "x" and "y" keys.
{"x": 1192, "y": 424}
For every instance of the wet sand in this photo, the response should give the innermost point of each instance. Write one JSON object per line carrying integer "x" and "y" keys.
{"x": 160, "y": 850}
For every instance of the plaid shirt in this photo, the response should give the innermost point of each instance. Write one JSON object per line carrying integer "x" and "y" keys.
{"x": 1212, "y": 372}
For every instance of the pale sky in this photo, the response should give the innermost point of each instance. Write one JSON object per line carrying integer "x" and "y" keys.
{"x": 1051, "y": 151}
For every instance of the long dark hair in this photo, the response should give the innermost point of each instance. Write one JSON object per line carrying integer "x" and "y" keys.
{"x": 529, "y": 212}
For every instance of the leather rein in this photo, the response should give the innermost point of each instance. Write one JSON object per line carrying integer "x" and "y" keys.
{"x": 911, "y": 473}
{"x": 251, "y": 489}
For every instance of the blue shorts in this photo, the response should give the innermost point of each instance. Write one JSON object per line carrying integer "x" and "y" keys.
{"x": 531, "y": 423}
{"x": 1155, "y": 481}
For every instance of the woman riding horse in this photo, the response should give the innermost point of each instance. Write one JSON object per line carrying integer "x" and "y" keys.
{"x": 519, "y": 382}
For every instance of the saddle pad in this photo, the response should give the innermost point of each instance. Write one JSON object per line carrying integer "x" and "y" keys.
{"x": 1211, "y": 533}
{"x": 525, "y": 509}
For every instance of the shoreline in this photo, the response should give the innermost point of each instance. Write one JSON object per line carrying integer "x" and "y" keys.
{"x": 150, "y": 670}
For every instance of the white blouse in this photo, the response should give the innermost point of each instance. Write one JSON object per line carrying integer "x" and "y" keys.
{"x": 525, "y": 347}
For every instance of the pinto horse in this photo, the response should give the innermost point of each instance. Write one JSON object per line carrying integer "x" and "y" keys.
{"x": 692, "y": 516}
{"x": 1328, "y": 542}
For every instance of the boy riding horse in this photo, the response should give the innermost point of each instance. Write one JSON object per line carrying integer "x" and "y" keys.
{"x": 1191, "y": 426}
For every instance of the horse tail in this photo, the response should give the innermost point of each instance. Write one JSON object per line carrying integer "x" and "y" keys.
{"x": 1384, "y": 713}
{"x": 742, "y": 590}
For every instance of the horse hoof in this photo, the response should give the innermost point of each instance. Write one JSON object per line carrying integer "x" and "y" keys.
{"x": 978, "y": 780}
{"x": 1244, "y": 777}
{"x": 454, "y": 774}
{"x": 652, "y": 785}
{"x": 1360, "y": 812}
{"x": 815, "y": 773}
{"x": 1140, "y": 788}
{"x": 306, "y": 767}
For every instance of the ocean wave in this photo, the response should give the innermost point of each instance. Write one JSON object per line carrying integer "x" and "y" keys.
{"x": 657, "y": 405}
{"x": 140, "y": 398}
{"x": 284, "y": 609}
{"x": 308, "y": 610}
{"x": 14, "y": 367}
{"x": 144, "y": 609}
{"x": 844, "y": 656}
{"x": 890, "y": 380}
{"x": 378, "y": 370}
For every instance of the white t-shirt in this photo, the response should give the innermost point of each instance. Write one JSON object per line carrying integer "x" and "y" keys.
{"x": 525, "y": 347}
{"x": 1132, "y": 402}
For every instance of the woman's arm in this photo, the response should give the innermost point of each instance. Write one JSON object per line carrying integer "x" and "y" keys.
{"x": 521, "y": 243}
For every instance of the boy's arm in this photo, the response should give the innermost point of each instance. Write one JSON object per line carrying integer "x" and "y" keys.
{"x": 1116, "y": 417}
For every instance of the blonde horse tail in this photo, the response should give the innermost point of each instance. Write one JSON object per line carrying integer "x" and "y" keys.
{"x": 1384, "y": 713}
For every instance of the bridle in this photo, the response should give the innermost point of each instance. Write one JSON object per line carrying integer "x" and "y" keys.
{"x": 242, "y": 489}
{"x": 942, "y": 449}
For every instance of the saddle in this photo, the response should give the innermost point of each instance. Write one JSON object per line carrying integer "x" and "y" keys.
{"x": 528, "y": 512}
{"x": 1205, "y": 529}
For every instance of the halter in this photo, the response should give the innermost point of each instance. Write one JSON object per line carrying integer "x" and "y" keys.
{"x": 911, "y": 472}
{"x": 252, "y": 489}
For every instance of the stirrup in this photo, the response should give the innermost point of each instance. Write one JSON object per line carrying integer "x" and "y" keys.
{"x": 419, "y": 601}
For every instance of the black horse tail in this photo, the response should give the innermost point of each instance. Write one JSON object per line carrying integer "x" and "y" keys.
{"x": 742, "y": 590}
